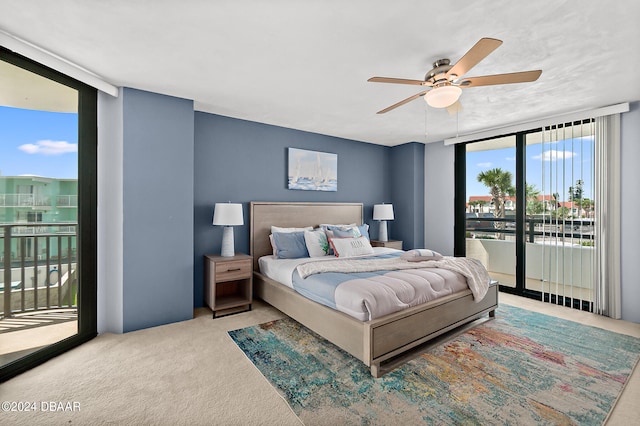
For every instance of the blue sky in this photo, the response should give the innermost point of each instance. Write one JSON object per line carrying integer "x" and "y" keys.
{"x": 38, "y": 143}
{"x": 569, "y": 159}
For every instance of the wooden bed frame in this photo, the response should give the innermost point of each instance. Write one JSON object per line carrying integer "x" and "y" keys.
{"x": 372, "y": 342}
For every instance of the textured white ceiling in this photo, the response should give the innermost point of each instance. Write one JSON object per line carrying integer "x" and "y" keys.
{"x": 305, "y": 64}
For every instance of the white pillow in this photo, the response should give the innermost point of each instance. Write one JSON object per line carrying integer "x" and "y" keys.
{"x": 420, "y": 255}
{"x": 349, "y": 247}
{"x": 275, "y": 229}
{"x": 317, "y": 243}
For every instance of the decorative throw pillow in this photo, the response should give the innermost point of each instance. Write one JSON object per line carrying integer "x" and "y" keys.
{"x": 317, "y": 243}
{"x": 420, "y": 255}
{"x": 329, "y": 225}
{"x": 351, "y": 231}
{"x": 275, "y": 229}
{"x": 349, "y": 247}
{"x": 345, "y": 232}
{"x": 290, "y": 245}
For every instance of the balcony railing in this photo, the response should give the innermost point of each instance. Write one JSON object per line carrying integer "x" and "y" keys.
{"x": 66, "y": 201}
{"x": 535, "y": 228}
{"x": 38, "y": 266}
{"x": 24, "y": 200}
{"x": 559, "y": 255}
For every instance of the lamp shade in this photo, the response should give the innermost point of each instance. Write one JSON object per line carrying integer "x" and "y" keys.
{"x": 383, "y": 212}
{"x": 228, "y": 214}
{"x": 442, "y": 96}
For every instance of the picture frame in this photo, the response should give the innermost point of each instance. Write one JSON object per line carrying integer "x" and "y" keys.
{"x": 312, "y": 170}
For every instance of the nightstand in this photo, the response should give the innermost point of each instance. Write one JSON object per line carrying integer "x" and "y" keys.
{"x": 394, "y": 244}
{"x": 228, "y": 283}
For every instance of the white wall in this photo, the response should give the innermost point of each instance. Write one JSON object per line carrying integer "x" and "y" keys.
{"x": 110, "y": 214}
{"x": 439, "y": 197}
{"x": 630, "y": 215}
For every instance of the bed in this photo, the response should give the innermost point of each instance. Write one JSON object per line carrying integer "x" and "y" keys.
{"x": 373, "y": 342}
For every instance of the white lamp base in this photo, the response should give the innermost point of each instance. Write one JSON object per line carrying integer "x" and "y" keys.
{"x": 382, "y": 236}
{"x": 227, "y": 242}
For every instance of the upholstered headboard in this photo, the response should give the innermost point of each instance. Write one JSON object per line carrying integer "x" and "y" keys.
{"x": 266, "y": 214}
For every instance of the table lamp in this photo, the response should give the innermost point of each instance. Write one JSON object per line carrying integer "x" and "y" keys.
{"x": 383, "y": 213}
{"x": 227, "y": 215}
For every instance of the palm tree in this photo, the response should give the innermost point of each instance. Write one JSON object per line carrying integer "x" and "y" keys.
{"x": 500, "y": 187}
{"x": 534, "y": 206}
{"x": 476, "y": 203}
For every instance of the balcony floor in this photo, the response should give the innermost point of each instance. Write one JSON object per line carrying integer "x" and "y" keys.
{"x": 545, "y": 287}
{"x": 28, "y": 332}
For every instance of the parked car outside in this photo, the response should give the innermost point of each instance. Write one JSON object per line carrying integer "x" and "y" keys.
{"x": 487, "y": 223}
{"x": 471, "y": 223}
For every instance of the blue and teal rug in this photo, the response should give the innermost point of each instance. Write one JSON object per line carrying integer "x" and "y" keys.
{"x": 521, "y": 368}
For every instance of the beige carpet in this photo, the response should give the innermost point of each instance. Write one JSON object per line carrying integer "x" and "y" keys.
{"x": 192, "y": 373}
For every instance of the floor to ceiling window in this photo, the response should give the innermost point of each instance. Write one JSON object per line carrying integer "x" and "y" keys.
{"x": 48, "y": 141}
{"x": 528, "y": 211}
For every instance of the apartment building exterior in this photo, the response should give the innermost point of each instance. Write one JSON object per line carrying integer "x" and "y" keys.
{"x": 38, "y": 206}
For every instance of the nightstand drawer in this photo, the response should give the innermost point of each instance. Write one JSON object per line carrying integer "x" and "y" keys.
{"x": 229, "y": 271}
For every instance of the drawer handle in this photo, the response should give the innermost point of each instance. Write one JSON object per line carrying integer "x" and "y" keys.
{"x": 233, "y": 270}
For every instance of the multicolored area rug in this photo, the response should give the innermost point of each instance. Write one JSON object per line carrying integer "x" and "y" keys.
{"x": 521, "y": 368}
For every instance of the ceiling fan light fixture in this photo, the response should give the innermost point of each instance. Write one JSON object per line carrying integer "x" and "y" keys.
{"x": 442, "y": 96}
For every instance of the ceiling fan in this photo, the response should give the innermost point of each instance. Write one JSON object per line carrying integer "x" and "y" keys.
{"x": 445, "y": 81}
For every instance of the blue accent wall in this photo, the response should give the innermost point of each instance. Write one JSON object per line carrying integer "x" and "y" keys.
{"x": 243, "y": 161}
{"x": 407, "y": 194}
{"x": 158, "y": 157}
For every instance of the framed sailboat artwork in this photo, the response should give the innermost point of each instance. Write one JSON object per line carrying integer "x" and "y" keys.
{"x": 312, "y": 170}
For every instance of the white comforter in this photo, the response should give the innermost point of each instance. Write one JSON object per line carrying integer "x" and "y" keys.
{"x": 369, "y": 287}
{"x": 472, "y": 269}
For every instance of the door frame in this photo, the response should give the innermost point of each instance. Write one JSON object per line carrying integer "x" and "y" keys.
{"x": 87, "y": 216}
{"x": 460, "y": 170}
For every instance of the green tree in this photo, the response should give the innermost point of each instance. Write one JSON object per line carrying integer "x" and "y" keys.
{"x": 500, "y": 187}
{"x": 477, "y": 203}
{"x": 587, "y": 205}
{"x": 576, "y": 192}
{"x": 534, "y": 206}
{"x": 556, "y": 200}
{"x": 561, "y": 212}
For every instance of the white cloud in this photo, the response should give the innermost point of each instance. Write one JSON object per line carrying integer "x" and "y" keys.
{"x": 553, "y": 155}
{"x": 47, "y": 147}
{"x": 484, "y": 165}
{"x": 510, "y": 158}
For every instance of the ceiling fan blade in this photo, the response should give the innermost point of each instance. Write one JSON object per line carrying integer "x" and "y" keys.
{"x": 478, "y": 52}
{"x": 489, "y": 80}
{"x": 399, "y": 81}
{"x": 402, "y": 102}
{"x": 454, "y": 108}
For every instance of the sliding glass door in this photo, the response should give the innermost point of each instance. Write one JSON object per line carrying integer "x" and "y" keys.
{"x": 524, "y": 207}
{"x": 560, "y": 213}
{"x": 491, "y": 206}
{"x": 48, "y": 134}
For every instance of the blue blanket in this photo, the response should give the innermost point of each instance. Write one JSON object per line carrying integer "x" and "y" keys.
{"x": 321, "y": 288}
